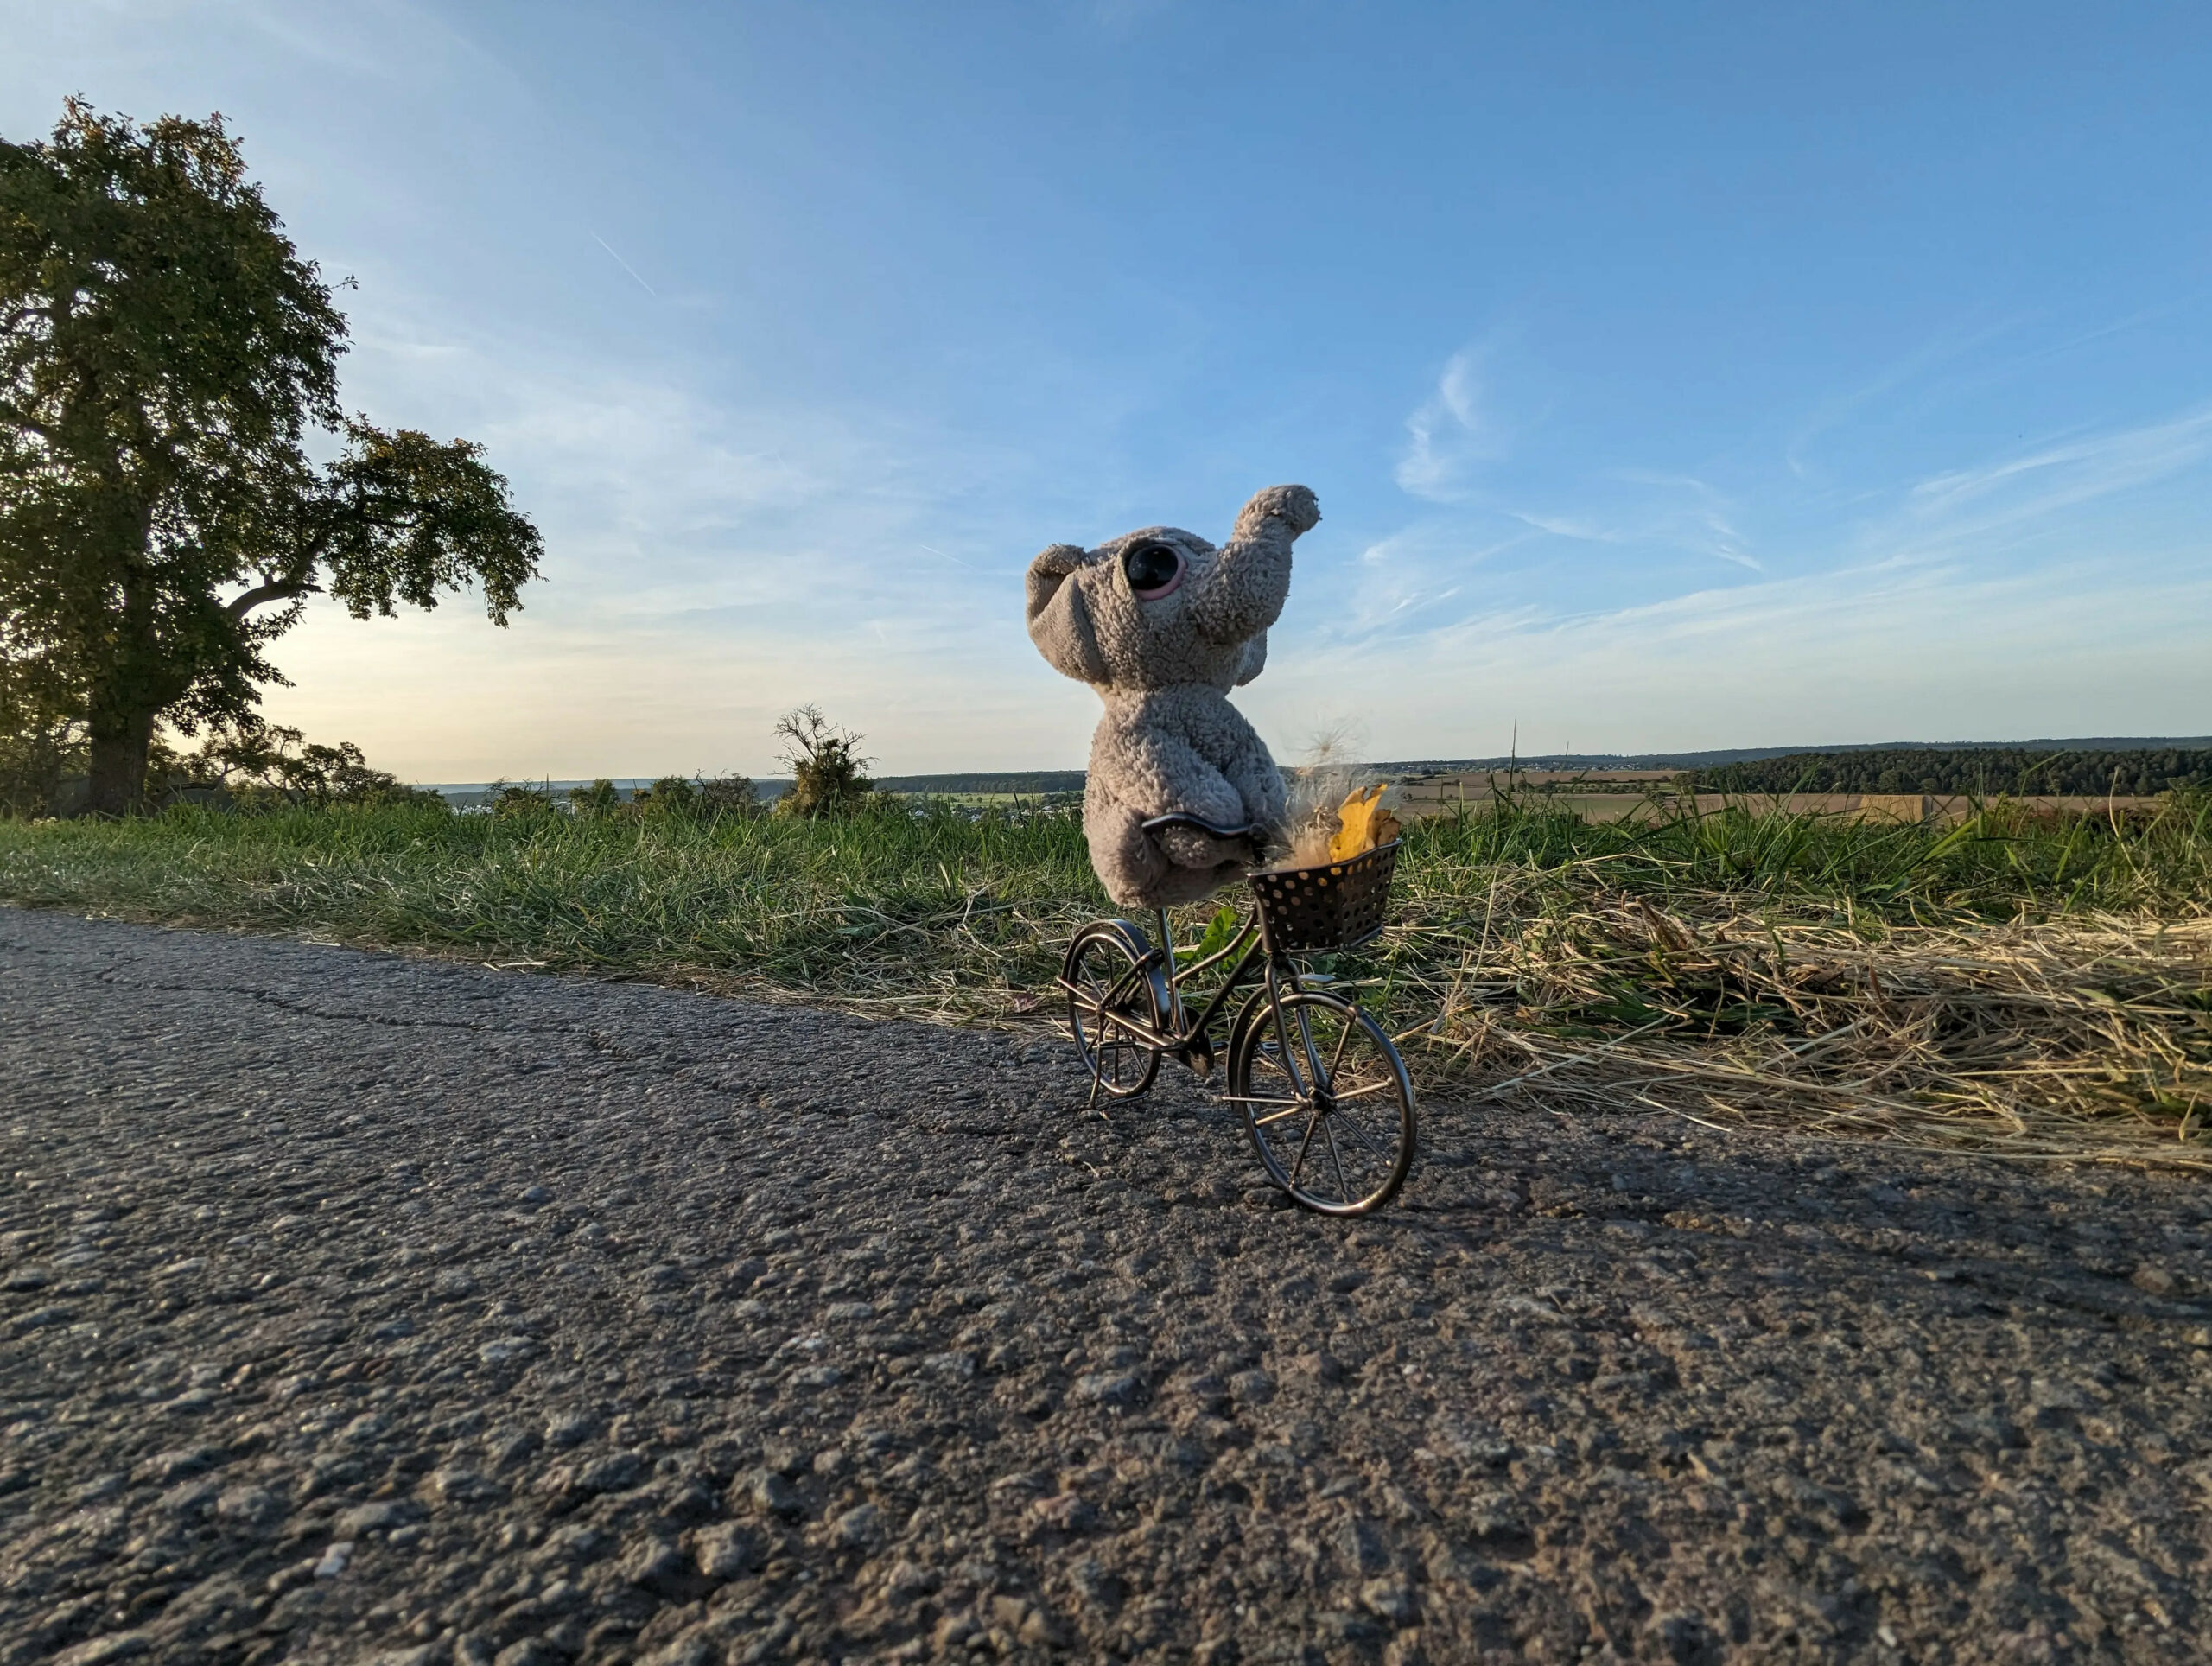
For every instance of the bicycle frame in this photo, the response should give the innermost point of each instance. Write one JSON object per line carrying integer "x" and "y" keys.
{"x": 1188, "y": 1039}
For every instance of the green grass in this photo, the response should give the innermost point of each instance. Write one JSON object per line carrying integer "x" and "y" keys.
{"x": 2005, "y": 863}
{"x": 892, "y": 902}
{"x": 884, "y": 907}
{"x": 1524, "y": 940}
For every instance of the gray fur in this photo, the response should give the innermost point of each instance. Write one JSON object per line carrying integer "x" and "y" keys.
{"x": 1169, "y": 740}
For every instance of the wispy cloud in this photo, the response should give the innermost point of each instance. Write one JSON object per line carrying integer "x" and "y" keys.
{"x": 1903, "y": 372}
{"x": 1449, "y": 434}
{"x": 1692, "y": 514}
{"x": 712, "y": 561}
{"x": 2055, "y": 588}
{"x": 1861, "y": 652}
{"x": 2060, "y": 475}
{"x": 385, "y": 40}
{"x": 1457, "y": 456}
{"x": 1412, "y": 582}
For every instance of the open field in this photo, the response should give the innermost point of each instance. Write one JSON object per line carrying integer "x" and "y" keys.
{"x": 2040, "y": 990}
{"x": 1645, "y": 796}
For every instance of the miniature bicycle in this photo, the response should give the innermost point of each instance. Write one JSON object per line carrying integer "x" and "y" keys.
{"x": 1323, "y": 1092}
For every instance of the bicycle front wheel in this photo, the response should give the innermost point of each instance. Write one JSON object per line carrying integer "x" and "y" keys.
{"x": 1327, "y": 1101}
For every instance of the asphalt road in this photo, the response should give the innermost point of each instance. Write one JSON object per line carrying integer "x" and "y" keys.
{"x": 362, "y": 1307}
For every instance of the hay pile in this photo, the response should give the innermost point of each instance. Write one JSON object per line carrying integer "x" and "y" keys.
{"x": 2085, "y": 1039}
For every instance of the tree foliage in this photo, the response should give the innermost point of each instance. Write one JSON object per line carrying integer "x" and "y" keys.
{"x": 42, "y": 739}
{"x": 166, "y": 356}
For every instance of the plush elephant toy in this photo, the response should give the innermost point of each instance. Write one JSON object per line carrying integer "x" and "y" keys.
{"x": 1163, "y": 625}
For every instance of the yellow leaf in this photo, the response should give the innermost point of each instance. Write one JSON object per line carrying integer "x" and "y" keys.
{"x": 1355, "y": 823}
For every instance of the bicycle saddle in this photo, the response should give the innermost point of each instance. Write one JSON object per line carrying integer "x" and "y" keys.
{"x": 1175, "y": 819}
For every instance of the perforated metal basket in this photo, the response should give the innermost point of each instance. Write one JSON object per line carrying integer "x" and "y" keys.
{"x": 1339, "y": 904}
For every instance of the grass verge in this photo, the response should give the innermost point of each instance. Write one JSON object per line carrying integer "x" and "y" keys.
{"x": 2036, "y": 988}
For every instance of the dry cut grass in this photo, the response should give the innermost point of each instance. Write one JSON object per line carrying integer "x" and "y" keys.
{"x": 2079, "y": 1037}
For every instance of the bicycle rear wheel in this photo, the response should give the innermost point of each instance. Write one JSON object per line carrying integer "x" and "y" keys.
{"x": 1327, "y": 1101}
{"x": 1106, "y": 985}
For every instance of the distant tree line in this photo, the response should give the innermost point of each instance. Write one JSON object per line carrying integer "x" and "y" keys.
{"x": 1989, "y": 773}
{"x": 1034, "y": 783}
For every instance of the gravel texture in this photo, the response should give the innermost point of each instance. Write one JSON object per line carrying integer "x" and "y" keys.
{"x": 358, "y": 1308}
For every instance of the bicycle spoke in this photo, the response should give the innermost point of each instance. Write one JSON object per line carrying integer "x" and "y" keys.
{"x": 1278, "y": 1095}
{"x": 1365, "y": 1138}
{"x": 1305, "y": 1045}
{"x": 1343, "y": 1186}
{"x": 1386, "y": 1086}
{"x": 1304, "y": 1146}
{"x": 1343, "y": 1042}
{"x": 1276, "y": 1116}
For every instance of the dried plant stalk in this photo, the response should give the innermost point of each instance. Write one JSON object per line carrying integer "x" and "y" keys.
{"x": 2077, "y": 1039}
{"x": 1318, "y": 788}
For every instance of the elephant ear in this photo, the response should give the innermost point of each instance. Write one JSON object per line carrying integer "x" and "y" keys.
{"x": 1256, "y": 659}
{"x": 1059, "y": 620}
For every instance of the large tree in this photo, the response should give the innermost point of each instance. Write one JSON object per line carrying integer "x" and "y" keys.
{"x": 166, "y": 357}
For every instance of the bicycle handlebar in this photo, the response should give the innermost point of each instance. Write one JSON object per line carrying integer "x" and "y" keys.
{"x": 1177, "y": 819}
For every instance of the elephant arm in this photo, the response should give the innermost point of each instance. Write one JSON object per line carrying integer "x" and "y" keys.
{"x": 1252, "y": 772}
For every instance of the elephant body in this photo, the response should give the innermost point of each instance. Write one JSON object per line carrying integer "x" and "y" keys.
{"x": 1163, "y": 625}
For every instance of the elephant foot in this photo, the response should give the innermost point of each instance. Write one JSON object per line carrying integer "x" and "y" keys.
{"x": 1188, "y": 848}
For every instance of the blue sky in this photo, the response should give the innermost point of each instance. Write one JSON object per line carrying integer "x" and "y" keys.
{"x": 1671, "y": 377}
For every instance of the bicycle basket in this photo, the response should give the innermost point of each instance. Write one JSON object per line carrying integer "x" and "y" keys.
{"x": 1338, "y": 905}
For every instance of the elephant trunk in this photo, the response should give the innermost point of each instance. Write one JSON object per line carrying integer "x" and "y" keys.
{"x": 1244, "y": 592}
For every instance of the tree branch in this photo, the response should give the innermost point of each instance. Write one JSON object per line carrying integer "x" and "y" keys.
{"x": 301, "y": 583}
{"x": 17, "y": 416}
{"x": 274, "y": 590}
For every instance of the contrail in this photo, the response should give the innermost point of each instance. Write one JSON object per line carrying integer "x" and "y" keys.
{"x": 625, "y": 266}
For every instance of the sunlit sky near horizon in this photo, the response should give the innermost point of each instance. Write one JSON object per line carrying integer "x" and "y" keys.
{"x": 1671, "y": 378}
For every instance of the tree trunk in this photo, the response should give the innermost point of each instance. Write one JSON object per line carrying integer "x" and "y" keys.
{"x": 121, "y": 742}
{"x": 128, "y": 695}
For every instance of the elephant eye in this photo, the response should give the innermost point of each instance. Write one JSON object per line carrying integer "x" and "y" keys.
{"x": 1154, "y": 570}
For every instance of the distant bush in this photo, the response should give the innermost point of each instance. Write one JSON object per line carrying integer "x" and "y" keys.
{"x": 601, "y": 797}
{"x": 510, "y": 802}
{"x": 728, "y": 795}
{"x": 700, "y": 798}
{"x": 825, "y": 765}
